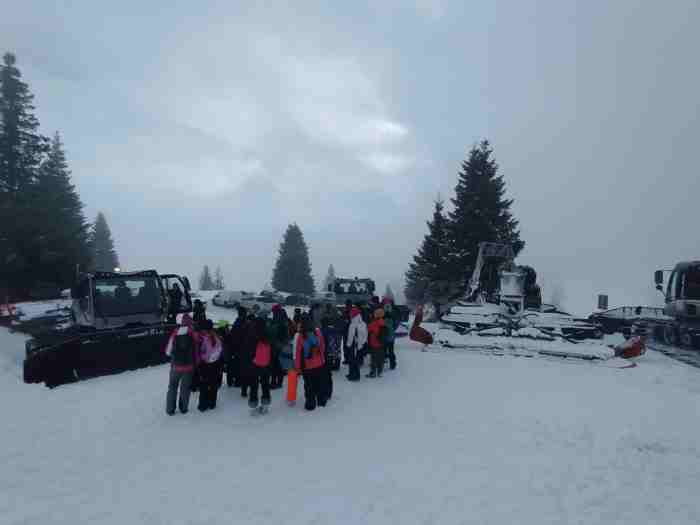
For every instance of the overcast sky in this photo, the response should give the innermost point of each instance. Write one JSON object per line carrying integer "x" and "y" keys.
{"x": 201, "y": 132}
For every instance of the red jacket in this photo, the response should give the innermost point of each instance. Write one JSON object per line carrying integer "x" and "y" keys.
{"x": 317, "y": 359}
{"x": 374, "y": 329}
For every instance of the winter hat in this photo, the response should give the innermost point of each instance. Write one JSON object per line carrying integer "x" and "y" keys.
{"x": 354, "y": 312}
{"x": 276, "y": 307}
{"x": 386, "y": 301}
{"x": 379, "y": 313}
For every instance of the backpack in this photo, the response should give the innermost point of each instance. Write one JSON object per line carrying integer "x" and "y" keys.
{"x": 183, "y": 350}
{"x": 263, "y": 354}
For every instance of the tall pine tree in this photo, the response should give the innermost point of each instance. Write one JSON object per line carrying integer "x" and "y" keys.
{"x": 64, "y": 230}
{"x": 104, "y": 256}
{"x": 22, "y": 149}
{"x": 481, "y": 212}
{"x": 205, "y": 279}
{"x": 389, "y": 293}
{"x": 330, "y": 278}
{"x": 218, "y": 279}
{"x": 431, "y": 277}
{"x": 21, "y": 146}
{"x": 292, "y": 273}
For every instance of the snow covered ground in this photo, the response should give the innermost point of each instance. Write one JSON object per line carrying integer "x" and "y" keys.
{"x": 449, "y": 437}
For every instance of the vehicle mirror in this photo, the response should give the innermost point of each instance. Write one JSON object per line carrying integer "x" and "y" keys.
{"x": 659, "y": 278}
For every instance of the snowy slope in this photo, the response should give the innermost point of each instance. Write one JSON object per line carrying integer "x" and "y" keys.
{"x": 449, "y": 437}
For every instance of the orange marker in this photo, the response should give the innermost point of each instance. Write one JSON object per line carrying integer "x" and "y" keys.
{"x": 292, "y": 379}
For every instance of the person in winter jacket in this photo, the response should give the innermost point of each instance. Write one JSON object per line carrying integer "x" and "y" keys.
{"x": 309, "y": 361}
{"x": 355, "y": 338}
{"x": 331, "y": 327}
{"x": 261, "y": 365}
{"x": 390, "y": 335}
{"x": 247, "y": 353}
{"x": 281, "y": 330}
{"x": 199, "y": 314}
{"x": 345, "y": 325}
{"x": 376, "y": 335}
{"x": 316, "y": 315}
{"x": 183, "y": 349}
{"x": 233, "y": 344}
{"x": 418, "y": 333}
{"x": 175, "y": 296}
{"x": 210, "y": 366}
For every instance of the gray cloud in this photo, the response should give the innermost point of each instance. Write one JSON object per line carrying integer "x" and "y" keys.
{"x": 202, "y": 132}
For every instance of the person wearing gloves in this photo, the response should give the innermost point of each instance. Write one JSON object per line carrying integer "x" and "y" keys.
{"x": 210, "y": 366}
{"x": 355, "y": 340}
{"x": 183, "y": 349}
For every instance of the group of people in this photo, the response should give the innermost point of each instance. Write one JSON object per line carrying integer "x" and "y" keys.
{"x": 261, "y": 348}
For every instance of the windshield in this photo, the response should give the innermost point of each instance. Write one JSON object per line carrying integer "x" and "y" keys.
{"x": 692, "y": 284}
{"x": 127, "y": 296}
{"x": 351, "y": 287}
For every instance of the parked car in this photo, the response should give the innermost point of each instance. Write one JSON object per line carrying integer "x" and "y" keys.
{"x": 230, "y": 298}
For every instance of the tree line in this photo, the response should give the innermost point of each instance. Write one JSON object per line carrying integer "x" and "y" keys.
{"x": 44, "y": 235}
{"x": 480, "y": 212}
{"x": 209, "y": 282}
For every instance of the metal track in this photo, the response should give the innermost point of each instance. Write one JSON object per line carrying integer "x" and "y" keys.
{"x": 684, "y": 355}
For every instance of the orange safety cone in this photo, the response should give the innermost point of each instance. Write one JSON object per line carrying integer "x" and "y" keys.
{"x": 292, "y": 380}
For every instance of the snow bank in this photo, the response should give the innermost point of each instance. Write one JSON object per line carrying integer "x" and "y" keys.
{"x": 448, "y": 437}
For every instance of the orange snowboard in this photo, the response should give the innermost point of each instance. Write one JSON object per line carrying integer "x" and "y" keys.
{"x": 292, "y": 380}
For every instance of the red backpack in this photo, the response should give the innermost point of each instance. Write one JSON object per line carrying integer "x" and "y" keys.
{"x": 263, "y": 354}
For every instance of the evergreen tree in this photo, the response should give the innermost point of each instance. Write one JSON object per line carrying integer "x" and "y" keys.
{"x": 205, "y": 280}
{"x": 22, "y": 149}
{"x": 431, "y": 276}
{"x": 388, "y": 292}
{"x": 330, "y": 278}
{"x": 64, "y": 231}
{"x": 104, "y": 256}
{"x": 21, "y": 146}
{"x": 218, "y": 279}
{"x": 292, "y": 273}
{"x": 481, "y": 212}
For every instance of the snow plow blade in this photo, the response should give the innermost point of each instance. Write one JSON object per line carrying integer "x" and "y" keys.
{"x": 67, "y": 358}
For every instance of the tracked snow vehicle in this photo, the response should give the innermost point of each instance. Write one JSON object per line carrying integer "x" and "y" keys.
{"x": 681, "y": 324}
{"x": 120, "y": 321}
{"x": 357, "y": 291}
{"x": 503, "y": 310}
